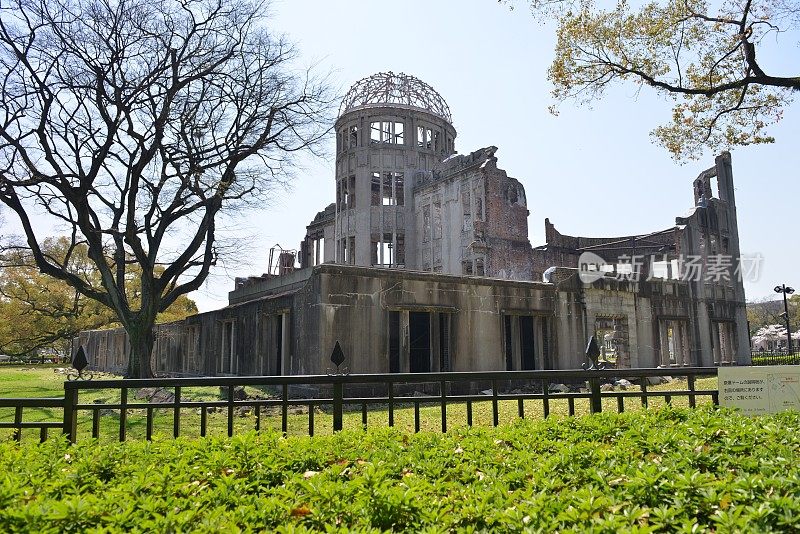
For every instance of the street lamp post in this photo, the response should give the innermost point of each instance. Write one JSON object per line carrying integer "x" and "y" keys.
{"x": 786, "y": 291}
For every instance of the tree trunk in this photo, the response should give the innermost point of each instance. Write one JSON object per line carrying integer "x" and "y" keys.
{"x": 141, "y": 338}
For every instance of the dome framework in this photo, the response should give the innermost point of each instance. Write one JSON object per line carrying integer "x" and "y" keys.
{"x": 388, "y": 88}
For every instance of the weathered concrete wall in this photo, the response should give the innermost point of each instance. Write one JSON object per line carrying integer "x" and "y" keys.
{"x": 355, "y": 303}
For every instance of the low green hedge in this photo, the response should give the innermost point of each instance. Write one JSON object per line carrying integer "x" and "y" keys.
{"x": 777, "y": 359}
{"x": 674, "y": 470}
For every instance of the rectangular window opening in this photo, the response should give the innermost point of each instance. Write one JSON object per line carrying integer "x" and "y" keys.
{"x": 419, "y": 332}
{"x": 388, "y": 196}
{"x": 353, "y": 136}
{"x": 479, "y": 267}
{"x": 399, "y": 185}
{"x": 375, "y": 189}
{"x": 388, "y": 250}
{"x": 398, "y": 133}
{"x": 526, "y": 342}
{"x": 466, "y": 267}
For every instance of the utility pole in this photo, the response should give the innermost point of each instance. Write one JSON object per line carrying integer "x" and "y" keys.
{"x": 786, "y": 291}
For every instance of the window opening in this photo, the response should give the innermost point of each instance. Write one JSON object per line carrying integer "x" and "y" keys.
{"x": 375, "y": 188}
{"x": 374, "y": 246}
{"x": 466, "y": 267}
{"x": 353, "y": 136}
{"x": 399, "y": 185}
{"x": 388, "y": 250}
{"x": 386, "y": 132}
{"x": 375, "y": 132}
{"x": 420, "y": 341}
{"x": 526, "y": 342}
{"x": 388, "y": 198}
{"x": 479, "y": 268}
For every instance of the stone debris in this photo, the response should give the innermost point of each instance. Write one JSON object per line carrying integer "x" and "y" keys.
{"x": 623, "y": 383}
{"x": 159, "y": 395}
{"x": 558, "y": 388}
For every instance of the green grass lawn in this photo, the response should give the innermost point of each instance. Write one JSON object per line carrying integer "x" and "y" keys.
{"x": 659, "y": 470}
{"x": 43, "y": 382}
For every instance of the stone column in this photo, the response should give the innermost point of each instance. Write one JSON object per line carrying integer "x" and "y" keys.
{"x": 678, "y": 344}
{"x": 717, "y": 345}
{"x": 663, "y": 334}
{"x": 686, "y": 346}
{"x": 729, "y": 345}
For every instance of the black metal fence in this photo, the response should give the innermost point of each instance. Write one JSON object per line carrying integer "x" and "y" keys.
{"x": 354, "y": 395}
{"x": 18, "y": 423}
{"x": 775, "y": 357}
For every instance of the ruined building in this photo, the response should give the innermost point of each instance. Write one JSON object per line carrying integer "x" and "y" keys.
{"x": 423, "y": 263}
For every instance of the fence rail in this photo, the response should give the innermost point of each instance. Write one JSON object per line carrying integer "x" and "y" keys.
{"x": 337, "y": 395}
{"x": 18, "y": 423}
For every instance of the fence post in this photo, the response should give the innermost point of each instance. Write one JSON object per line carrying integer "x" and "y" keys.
{"x": 337, "y": 404}
{"x": 596, "y": 401}
{"x": 70, "y": 427}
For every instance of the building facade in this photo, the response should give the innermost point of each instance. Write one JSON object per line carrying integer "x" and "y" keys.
{"x": 423, "y": 263}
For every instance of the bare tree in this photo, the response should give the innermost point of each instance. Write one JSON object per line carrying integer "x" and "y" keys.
{"x": 135, "y": 124}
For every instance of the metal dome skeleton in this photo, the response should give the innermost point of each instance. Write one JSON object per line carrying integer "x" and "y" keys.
{"x": 388, "y": 88}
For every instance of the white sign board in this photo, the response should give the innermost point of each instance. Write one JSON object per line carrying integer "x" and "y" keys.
{"x": 760, "y": 390}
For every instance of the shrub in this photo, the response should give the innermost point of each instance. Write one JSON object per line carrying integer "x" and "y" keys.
{"x": 668, "y": 470}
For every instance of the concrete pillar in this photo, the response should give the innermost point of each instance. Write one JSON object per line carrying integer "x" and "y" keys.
{"x": 730, "y": 349}
{"x": 686, "y": 352}
{"x": 678, "y": 344}
{"x": 717, "y": 347}
{"x": 663, "y": 331}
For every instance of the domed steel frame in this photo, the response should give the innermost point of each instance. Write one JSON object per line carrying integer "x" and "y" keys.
{"x": 395, "y": 89}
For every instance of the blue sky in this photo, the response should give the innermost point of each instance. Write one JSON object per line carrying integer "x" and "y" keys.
{"x": 591, "y": 170}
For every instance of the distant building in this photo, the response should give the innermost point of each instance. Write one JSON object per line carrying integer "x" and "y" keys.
{"x": 423, "y": 263}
